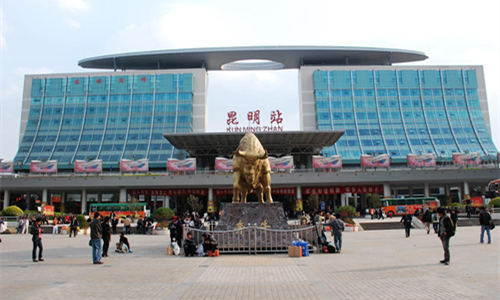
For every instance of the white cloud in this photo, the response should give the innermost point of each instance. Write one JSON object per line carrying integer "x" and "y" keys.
{"x": 73, "y": 5}
{"x": 72, "y": 23}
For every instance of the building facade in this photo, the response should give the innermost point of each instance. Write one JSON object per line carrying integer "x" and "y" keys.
{"x": 380, "y": 107}
{"x": 109, "y": 116}
{"x": 398, "y": 110}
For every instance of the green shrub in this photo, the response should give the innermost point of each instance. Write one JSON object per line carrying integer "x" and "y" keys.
{"x": 82, "y": 221}
{"x": 12, "y": 210}
{"x": 347, "y": 211}
{"x": 163, "y": 214}
{"x": 495, "y": 202}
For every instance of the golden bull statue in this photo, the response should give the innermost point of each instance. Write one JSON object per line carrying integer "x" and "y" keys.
{"x": 251, "y": 170}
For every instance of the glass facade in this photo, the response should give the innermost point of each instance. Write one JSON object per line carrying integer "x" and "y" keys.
{"x": 109, "y": 117}
{"x": 401, "y": 111}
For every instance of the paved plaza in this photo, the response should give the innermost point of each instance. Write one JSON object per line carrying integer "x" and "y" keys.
{"x": 373, "y": 265}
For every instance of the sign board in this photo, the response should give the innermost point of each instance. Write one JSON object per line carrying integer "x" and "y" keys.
{"x": 48, "y": 210}
{"x": 141, "y": 165}
{"x": 93, "y": 166}
{"x": 424, "y": 160}
{"x": 466, "y": 159}
{"x": 256, "y": 121}
{"x": 188, "y": 164}
{"x": 331, "y": 162}
{"x": 382, "y": 160}
{"x": 49, "y": 166}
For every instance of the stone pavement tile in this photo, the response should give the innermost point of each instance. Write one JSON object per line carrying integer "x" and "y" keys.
{"x": 373, "y": 265}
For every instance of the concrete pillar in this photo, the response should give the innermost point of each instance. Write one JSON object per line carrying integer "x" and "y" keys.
{"x": 123, "y": 195}
{"x": 210, "y": 194}
{"x": 447, "y": 190}
{"x": 6, "y": 196}
{"x": 343, "y": 199}
{"x": 466, "y": 190}
{"x": 44, "y": 196}
{"x": 84, "y": 202}
{"x": 166, "y": 203}
{"x": 427, "y": 191}
{"x": 387, "y": 190}
{"x": 410, "y": 191}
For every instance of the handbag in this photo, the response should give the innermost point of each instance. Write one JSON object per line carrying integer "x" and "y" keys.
{"x": 90, "y": 243}
{"x": 492, "y": 225}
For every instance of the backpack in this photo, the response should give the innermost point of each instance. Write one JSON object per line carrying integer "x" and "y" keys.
{"x": 450, "y": 231}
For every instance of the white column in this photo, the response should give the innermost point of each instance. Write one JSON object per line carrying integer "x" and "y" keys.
{"x": 427, "y": 192}
{"x": 6, "y": 196}
{"x": 123, "y": 195}
{"x": 44, "y": 196}
{"x": 387, "y": 190}
{"x": 466, "y": 189}
{"x": 343, "y": 199}
{"x": 299, "y": 192}
{"x": 84, "y": 201}
{"x": 210, "y": 194}
{"x": 166, "y": 203}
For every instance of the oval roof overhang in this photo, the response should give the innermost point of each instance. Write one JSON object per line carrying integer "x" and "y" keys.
{"x": 289, "y": 57}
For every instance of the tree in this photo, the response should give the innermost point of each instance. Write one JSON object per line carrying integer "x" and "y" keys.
{"x": 194, "y": 203}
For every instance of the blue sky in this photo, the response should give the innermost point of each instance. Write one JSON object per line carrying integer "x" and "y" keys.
{"x": 50, "y": 36}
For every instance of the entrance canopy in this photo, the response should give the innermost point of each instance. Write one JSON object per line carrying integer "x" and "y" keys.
{"x": 276, "y": 143}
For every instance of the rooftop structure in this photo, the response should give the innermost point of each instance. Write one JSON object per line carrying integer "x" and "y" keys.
{"x": 237, "y": 58}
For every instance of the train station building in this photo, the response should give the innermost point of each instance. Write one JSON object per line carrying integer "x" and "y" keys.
{"x": 152, "y": 107}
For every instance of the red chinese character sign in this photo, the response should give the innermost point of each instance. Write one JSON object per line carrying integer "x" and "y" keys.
{"x": 256, "y": 121}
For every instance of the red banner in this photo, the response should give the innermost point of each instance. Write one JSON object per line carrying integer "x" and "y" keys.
{"x": 423, "y": 160}
{"x": 274, "y": 191}
{"x": 466, "y": 159}
{"x": 169, "y": 192}
{"x": 382, "y": 160}
{"x": 359, "y": 189}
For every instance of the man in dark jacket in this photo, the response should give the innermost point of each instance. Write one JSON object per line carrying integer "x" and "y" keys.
{"x": 445, "y": 232}
{"x": 427, "y": 219}
{"x": 484, "y": 220}
{"x": 337, "y": 226}
{"x": 36, "y": 231}
{"x": 73, "y": 226}
{"x": 189, "y": 245}
{"x": 209, "y": 243}
{"x": 95, "y": 239}
{"x": 406, "y": 220}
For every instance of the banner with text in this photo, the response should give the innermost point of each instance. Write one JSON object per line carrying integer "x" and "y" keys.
{"x": 223, "y": 164}
{"x": 274, "y": 191}
{"x": 49, "y": 166}
{"x": 382, "y": 160}
{"x": 6, "y": 167}
{"x": 423, "y": 160}
{"x": 188, "y": 164}
{"x": 466, "y": 159}
{"x": 354, "y": 189}
{"x": 331, "y": 162}
{"x": 141, "y": 165}
{"x": 93, "y": 166}
{"x": 168, "y": 192}
{"x": 285, "y": 162}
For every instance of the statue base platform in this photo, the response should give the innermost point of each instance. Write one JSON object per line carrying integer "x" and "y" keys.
{"x": 238, "y": 215}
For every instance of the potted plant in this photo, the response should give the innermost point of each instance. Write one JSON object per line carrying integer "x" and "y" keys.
{"x": 83, "y": 223}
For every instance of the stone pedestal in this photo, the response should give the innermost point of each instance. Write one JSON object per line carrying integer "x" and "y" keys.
{"x": 238, "y": 215}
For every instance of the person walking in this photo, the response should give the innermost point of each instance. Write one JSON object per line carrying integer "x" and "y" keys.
{"x": 106, "y": 236}
{"x": 427, "y": 219}
{"x": 485, "y": 220}
{"x": 26, "y": 223}
{"x": 178, "y": 232}
{"x": 36, "y": 231}
{"x": 126, "y": 224}
{"x": 55, "y": 228}
{"x": 114, "y": 223}
{"x": 337, "y": 226}
{"x": 406, "y": 220}
{"x": 95, "y": 239}
{"x": 445, "y": 232}
{"x": 73, "y": 224}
